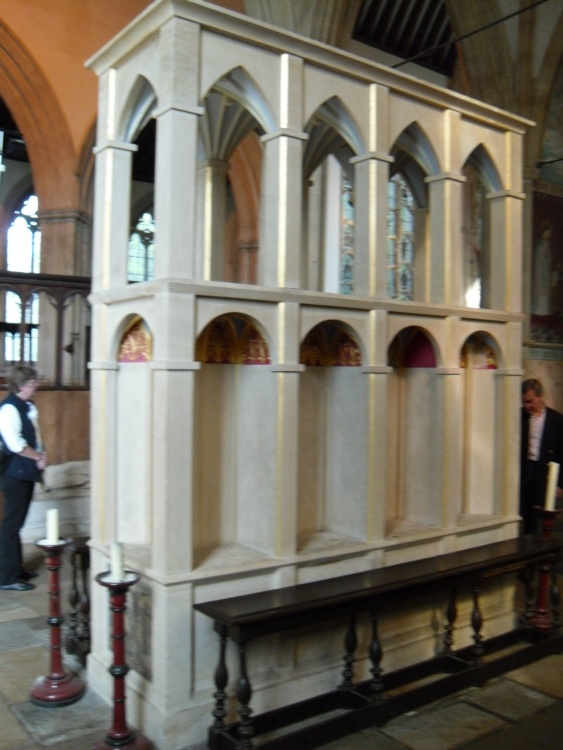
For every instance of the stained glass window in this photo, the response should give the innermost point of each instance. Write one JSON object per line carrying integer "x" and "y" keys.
{"x": 400, "y": 239}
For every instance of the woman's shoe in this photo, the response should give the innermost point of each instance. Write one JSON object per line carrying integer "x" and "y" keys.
{"x": 17, "y": 586}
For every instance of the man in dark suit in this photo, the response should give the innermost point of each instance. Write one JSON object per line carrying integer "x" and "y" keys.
{"x": 542, "y": 442}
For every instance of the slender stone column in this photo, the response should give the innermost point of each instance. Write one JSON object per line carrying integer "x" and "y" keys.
{"x": 370, "y": 231}
{"x": 446, "y": 257}
{"x": 504, "y": 273}
{"x": 280, "y": 262}
{"x": 287, "y": 371}
{"x": 112, "y": 214}
{"x": 212, "y": 178}
{"x": 280, "y": 218}
{"x": 377, "y": 438}
{"x": 422, "y": 270}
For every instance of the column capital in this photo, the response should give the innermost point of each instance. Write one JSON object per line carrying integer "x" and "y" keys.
{"x": 453, "y": 176}
{"x": 178, "y": 107}
{"x": 115, "y": 145}
{"x": 373, "y": 156}
{"x": 506, "y": 194}
{"x": 284, "y": 132}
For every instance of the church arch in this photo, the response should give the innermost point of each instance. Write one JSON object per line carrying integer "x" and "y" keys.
{"x": 408, "y": 213}
{"x": 415, "y": 411}
{"x": 137, "y": 110}
{"x": 482, "y": 451}
{"x": 233, "y": 459}
{"x": 481, "y": 180}
{"x": 237, "y": 85}
{"x": 334, "y": 138}
{"x": 235, "y": 114}
{"x": 332, "y": 435}
{"x": 31, "y": 100}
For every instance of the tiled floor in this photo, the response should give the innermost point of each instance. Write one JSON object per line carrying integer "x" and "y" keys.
{"x": 521, "y": 710}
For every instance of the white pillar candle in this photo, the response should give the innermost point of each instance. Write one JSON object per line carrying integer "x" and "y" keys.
{"x": 551, "y": 491}
{"x": 53, "y": 526}
{"x": 116, "y": 561}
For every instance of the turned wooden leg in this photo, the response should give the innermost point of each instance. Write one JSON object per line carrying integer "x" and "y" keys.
{"x": 375, "y": 655}
{"x": 451, "y": 614}
{"x": 244, "y": 694}
{"x": 220, "y": 695}
{"x": 350, "y": 646}
{"x": 476, "y": 623}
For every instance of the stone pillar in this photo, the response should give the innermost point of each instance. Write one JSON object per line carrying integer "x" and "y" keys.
{"x": 370, "y": 231}
{"x": 377, "y": 371}
{"x": 282, "y": 185}
{"x": 212, "y": 176}
{"x": 509, "y": 396}
{"x": 112, "y": 208}
{"x": 62, "y": 232}
{"x": 103, "y": 449}
{"x": 287, "y": 370}
{"x": 504, "y": 275}
{"x": 446, "y": 256}
{"x": 422, "y": 269}
{"x": 172, "y": 443}
{"x": 176, "y": 149}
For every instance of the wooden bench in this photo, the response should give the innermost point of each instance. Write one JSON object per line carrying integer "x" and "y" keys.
{"x": 354, "y": 705}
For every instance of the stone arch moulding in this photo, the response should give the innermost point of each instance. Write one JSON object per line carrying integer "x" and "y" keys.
{"x": 233, "y": 338}
{"x": 332, "y": 116}
{"x": 414, "y": 141}
{"x": 137, "y": 110}
{"x": 331, "y": 343}
{"x": 480, "y": 351}
{"x": 238, "y": 85}
{"x": 484, "y": 164}
{"x": 134, "y": 341}
{"x": 33, "y": 105}
{"x": 413, "y": 347}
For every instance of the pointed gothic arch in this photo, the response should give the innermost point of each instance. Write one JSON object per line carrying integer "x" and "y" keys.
{"x": 27, "y": 92}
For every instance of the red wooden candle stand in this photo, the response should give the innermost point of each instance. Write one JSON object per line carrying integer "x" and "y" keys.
{"x": 119, "y": 735}
{"x": 58, "y": 688}
{"x": 542, "y": 617}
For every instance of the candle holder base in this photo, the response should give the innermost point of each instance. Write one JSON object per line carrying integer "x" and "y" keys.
{"x": 132, "y": 742}
{"x": 52, "y": 692}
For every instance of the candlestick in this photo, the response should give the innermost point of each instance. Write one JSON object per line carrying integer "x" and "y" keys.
{"x": 116, "y": 561}
{"x": 551, "y": 491}
{"x": 53, "y": 526}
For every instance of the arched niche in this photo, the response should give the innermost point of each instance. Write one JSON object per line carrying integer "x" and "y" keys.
{"x": 482, "y": 451}
{"x": 415, "y": 439}
{"x": 234, "y": 440}
{"x": 333, "y": 429}
{"x": 328, "y": 207}
{"x": 482, "y": 179}
{"x": 229, "y": 177}
{"x": 134, "y": 429}
{"x": 414, "y": 159}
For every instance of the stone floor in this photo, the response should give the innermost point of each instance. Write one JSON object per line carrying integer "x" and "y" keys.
{"x": 522, "y": 709}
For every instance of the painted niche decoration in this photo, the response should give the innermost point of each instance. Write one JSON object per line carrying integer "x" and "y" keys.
{"x": 136, "y": 343}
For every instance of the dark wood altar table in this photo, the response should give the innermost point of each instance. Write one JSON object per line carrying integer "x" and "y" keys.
{"x": 354, "y": 704}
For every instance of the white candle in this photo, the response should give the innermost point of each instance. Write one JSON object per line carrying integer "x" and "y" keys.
{"x": 551, "y": 491}
{"x": 116, "y": 561}
{"x": 53, "y": 526}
